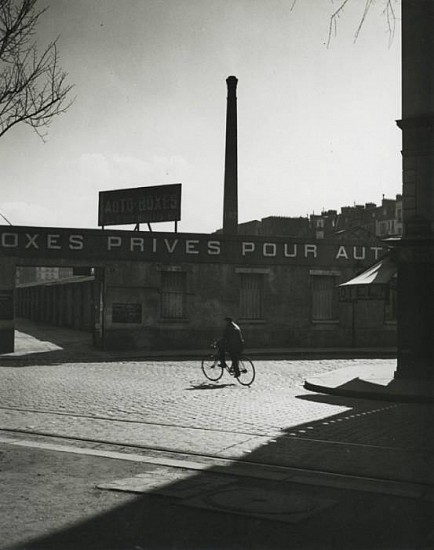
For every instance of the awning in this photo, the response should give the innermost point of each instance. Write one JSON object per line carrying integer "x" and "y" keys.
{"x": 372, "y": 284}
{"x": 380, "y": 273}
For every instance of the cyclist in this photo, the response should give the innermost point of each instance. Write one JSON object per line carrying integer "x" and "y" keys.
{"x": 232, "y": 342}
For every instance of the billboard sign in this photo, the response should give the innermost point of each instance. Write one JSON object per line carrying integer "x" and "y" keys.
{"x": 160, "y": 203}
{"x": 95, "y": 247}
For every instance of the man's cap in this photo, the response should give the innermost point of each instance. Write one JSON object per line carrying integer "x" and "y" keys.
{"x": 228, "y": 318}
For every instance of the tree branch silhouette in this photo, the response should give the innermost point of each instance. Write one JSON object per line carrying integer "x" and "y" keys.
{"x": 33, "y": 87}
{"x": 388, "y": 11}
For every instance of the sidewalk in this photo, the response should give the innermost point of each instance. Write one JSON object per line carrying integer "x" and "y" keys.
{"x": 41, "y": 342}
{"x": 372, "y": 383}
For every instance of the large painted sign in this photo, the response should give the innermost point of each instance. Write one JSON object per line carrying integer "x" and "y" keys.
{"x": 160, "y": 203}
{"x": 98, "y": 246}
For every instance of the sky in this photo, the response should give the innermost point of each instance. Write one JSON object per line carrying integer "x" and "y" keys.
{"x": 316, "y": 123}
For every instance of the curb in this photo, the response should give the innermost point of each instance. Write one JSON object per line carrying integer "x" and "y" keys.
{"x": 373, "y": 395}
{"x": 195, "y": 355}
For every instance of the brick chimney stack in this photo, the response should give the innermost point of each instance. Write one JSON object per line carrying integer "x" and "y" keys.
{"x": 230, "y": 200}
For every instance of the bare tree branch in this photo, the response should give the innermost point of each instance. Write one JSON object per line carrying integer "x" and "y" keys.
{"x": 363, "y": 18}
{"x": 33, "y": 87}
{"x": 391, "y": 19}
{"x": 388, "y": 11}
{"x": 333, "y": 20}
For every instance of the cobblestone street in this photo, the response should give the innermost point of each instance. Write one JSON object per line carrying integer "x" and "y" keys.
{"x": 170, "y": 405}
{"x": 174, "y": 393}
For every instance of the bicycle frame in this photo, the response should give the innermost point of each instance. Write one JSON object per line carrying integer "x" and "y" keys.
{"x": 213, "y": 369}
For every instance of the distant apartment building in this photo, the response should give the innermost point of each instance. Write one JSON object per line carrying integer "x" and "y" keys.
{"x": 323, "y": 224}
{"x": 389, "y": 219}
{"x": 380, "y": 221}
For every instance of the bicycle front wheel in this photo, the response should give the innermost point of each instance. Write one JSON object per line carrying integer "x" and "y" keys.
{"x": 211, "y": 368}
{"x": 247, "y": 371}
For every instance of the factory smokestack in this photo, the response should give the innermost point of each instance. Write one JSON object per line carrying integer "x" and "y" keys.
{"x": 230, "y": 199}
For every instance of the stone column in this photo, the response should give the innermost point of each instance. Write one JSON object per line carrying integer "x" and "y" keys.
{"x": 230, "y": 200}
{"x": 415, "y": 254}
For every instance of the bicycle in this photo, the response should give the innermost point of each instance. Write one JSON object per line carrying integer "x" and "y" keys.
{"x": 213, "y": 370}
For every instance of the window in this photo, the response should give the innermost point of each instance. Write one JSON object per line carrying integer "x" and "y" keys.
{"x": 323, "y": 298}
{"x": 251, "y": 295}
{"x": 390, "y": 305}
{"x": 173, "y": 294}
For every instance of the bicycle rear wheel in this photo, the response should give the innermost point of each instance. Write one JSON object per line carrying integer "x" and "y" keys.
{"x": 211, "y": 368}
{"x": 247, "y": 372}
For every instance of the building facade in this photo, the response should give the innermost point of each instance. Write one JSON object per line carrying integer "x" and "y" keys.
{"x": 159, "y": 291}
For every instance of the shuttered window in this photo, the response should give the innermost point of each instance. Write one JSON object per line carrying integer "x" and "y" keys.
{"x": 391, "y": 302}
{"x": 251, "y": 295}
{"x": 323, "y": 298}
{"x": 173, "y": 295}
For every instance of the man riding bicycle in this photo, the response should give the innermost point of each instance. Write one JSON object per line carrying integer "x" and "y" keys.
{"x": 232, "y": 343}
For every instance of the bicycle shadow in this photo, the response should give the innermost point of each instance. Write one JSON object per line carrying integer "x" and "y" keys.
{"x": 210, "y": 386}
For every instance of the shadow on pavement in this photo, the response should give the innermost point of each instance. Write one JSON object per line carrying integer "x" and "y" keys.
{"x": 378, "y": 423}
{"x": 41, "y": 344}
{"x": 218, "y": 509}
{"x": 209, "y": 386}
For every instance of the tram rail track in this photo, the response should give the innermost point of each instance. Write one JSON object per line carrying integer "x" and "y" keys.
{"x": 212, "y": 464}
{"x": 189, "y": 426}
{"x": 120, "y": 419}
{"x": 199, "y": 462}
